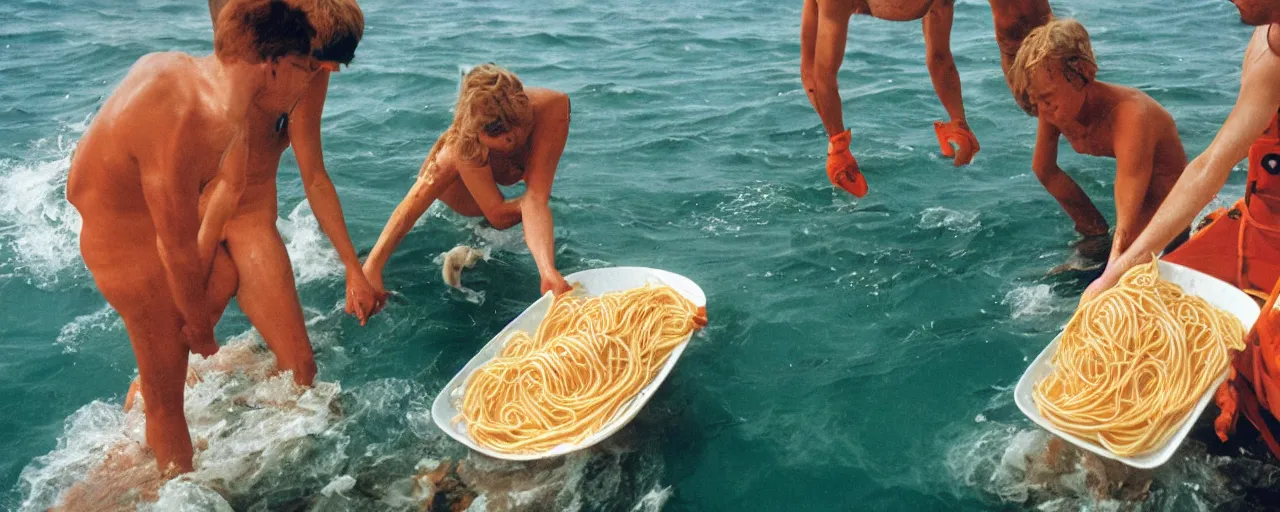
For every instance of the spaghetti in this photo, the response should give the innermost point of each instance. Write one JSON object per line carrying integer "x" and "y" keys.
{"x": 588, "y": 358}
{"x": 1133, "y": 362}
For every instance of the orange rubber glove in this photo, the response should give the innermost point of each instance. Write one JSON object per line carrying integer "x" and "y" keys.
{"x": 956, "y": 132}
{"x": 842, "y": 168}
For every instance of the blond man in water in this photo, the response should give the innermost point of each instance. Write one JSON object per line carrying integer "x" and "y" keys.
{"x": 175, "y": 183}
{"x": 1054, "y": 77}
{"x": 824, "y": 29}
{"x": 502, "y": 133}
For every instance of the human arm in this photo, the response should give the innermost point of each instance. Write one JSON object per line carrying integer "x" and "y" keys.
{"x": 304, "y": 134}
{"x": 1257, "y": 103}
{"x": 1135, "y": 146}
{"x": 172, "y": 195}
{"x": 946, "y": 83}
{"x": 1086, "y": 217}
{"x": 223, "y": 200}
{"x": 552, "y": 130}
{"x": 501, "y": 212}
{"x": 426, "y": 189}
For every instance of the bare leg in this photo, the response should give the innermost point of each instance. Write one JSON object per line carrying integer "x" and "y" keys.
{"x": 222, "y": 286}
{"x": 162, "y": 367}
{"x": 224, "y": 280}
{"x": 128, "y": 272}
{"x": 268, "y": 295}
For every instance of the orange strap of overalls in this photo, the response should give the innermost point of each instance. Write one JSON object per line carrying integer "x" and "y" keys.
{"x": 1263, "y": 184}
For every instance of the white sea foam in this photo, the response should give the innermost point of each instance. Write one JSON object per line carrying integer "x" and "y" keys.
{"x": 950, "y": 220}
{"x": 310, "y": 251}
{"x": 1031, "y": 301}
{"x": 1012, "y": 465}
{"x": 39, "y": 229}
{"x": 252, "y": 430}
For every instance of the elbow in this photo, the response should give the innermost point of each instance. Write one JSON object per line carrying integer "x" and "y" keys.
{"x": 1044, "y": 171}
{"x": 499, "y": 221}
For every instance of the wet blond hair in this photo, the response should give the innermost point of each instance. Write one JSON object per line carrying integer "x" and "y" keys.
{"x": 1061, "y": 45}
{"x": 489, "y": 93}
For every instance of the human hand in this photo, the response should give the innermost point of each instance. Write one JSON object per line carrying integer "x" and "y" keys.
{"x": 1103, "y": 283}
{"x": 363, "y": 298}
{"x": 200, "y": 338}
{"x": 956, "y": 132}
{"x": 555, "y": 283}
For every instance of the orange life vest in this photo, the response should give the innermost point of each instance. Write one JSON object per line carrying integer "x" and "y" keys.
{"x": 1255, "y": 377}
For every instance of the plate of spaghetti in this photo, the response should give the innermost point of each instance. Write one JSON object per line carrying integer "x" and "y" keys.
{"x": 1136, "y": 366}
{"x": 573, "y": 369}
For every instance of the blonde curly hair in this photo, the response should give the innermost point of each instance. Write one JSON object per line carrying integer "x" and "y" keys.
{"x": 490, "y": 97}
{"x": 1061, "y": 45}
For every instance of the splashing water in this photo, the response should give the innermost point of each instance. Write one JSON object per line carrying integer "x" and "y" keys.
{"x": 40, "y": 227}
{"x": 310, "y": 252}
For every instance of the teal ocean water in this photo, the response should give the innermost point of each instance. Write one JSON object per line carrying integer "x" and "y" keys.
{"x": 861, "y": 353}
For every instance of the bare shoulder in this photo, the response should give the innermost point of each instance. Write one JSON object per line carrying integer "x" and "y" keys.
{"x": 1137, "y": 107}
{"x": 446, "y": 159}
{"x": 161, "y": 77}
{"x": 1260, "y": 59}
{"x": 543, "y": 99}
{"x": 161, "y": 98}
{"x": 1139, "y": 115}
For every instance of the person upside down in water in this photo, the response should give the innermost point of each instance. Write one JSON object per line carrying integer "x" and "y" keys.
{"x": 502, "y": 133}
{"x": 824, "y": 27}
{"x": 1054, "y": 77}
{"x": 175, "y": 183}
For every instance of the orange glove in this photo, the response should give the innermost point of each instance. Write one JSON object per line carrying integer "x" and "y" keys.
{"x": 842, "y": 168}
{"x": 956, "y": 132}
{"x": 1227, "y": 398}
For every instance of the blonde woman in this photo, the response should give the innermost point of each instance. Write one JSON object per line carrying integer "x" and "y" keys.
{"x": 502, "y": 134}
{"x": 1054, "y": 78}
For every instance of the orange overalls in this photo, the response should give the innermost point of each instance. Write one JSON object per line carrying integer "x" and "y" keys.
{"x": 1241, "y": 246}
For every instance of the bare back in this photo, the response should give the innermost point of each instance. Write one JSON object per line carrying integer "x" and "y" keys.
{"x": 1013, "y": 20}
{"x": 891, "y": 10}
{"x": 165, "y": 103}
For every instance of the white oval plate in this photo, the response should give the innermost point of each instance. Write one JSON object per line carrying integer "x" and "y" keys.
{"x": 595, "y": 282}
{"x": 1216, "y": 292}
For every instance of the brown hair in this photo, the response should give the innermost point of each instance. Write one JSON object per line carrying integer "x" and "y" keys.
{"x": 1062, "y": 45}
{"x": 259, "y": 30}
{"x": 489, "y": 93}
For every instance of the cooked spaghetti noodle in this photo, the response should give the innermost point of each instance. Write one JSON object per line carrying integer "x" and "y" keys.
{"x": 1134, "y": 361}
{"x": 588, "y": 358}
